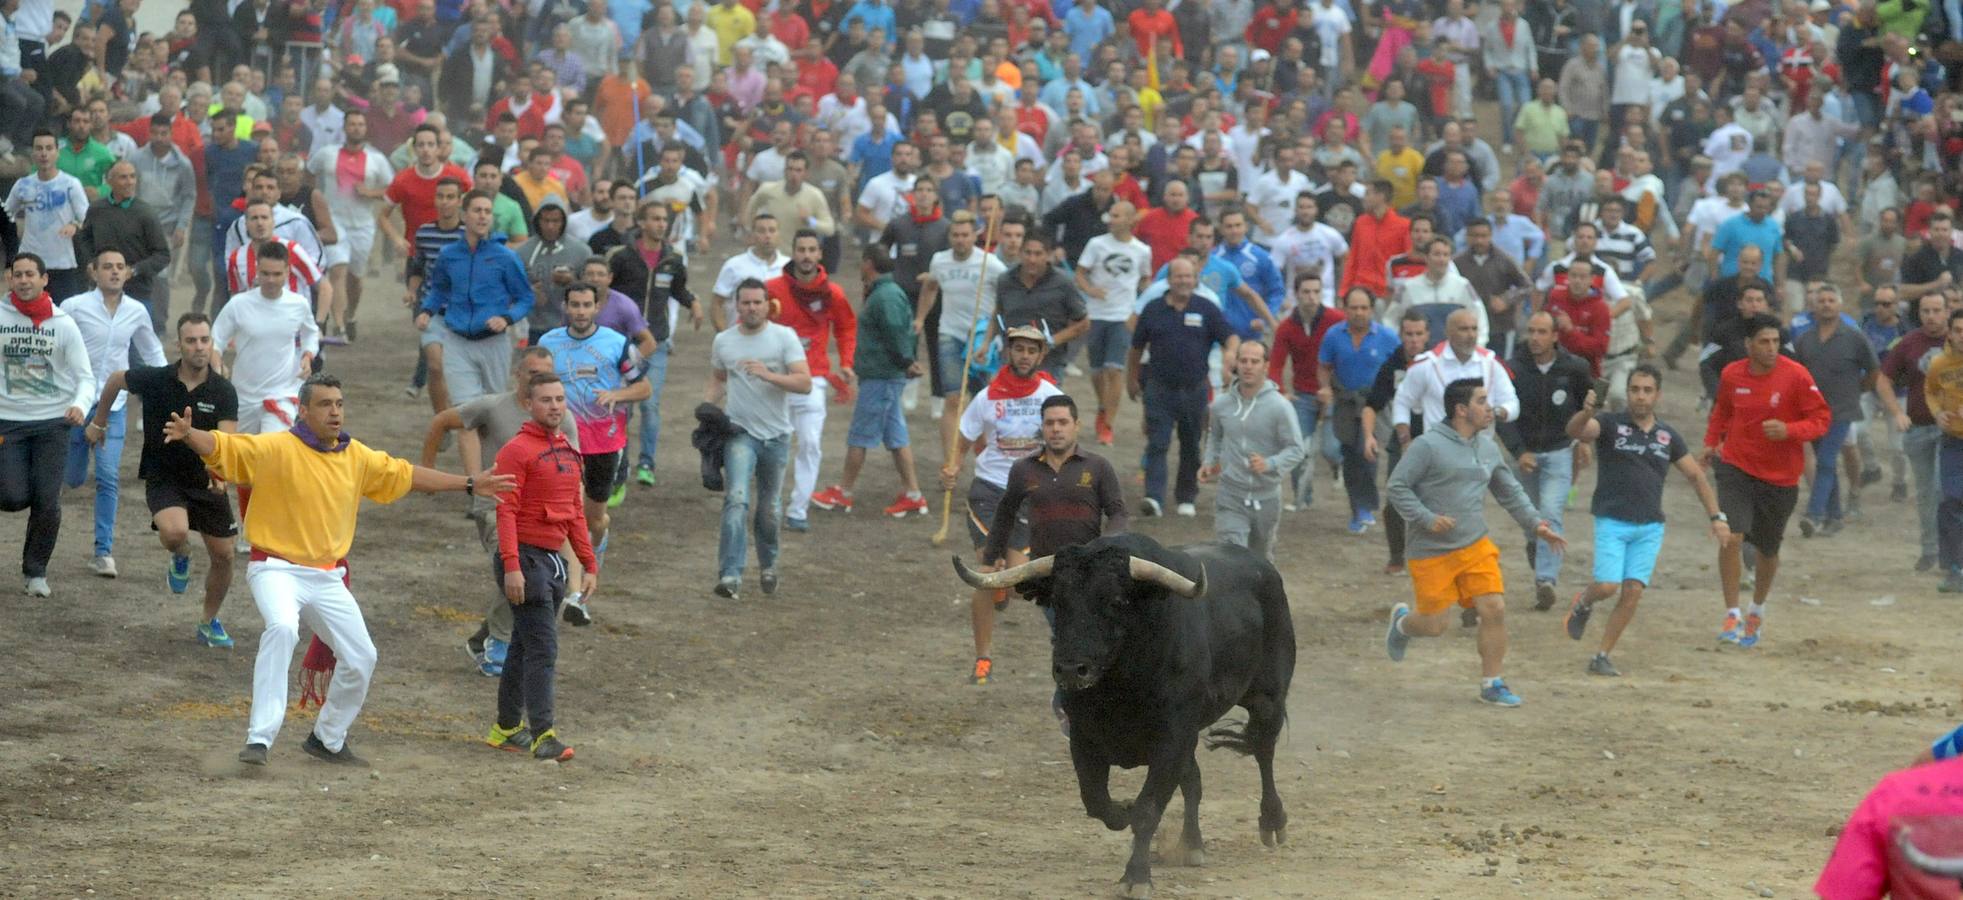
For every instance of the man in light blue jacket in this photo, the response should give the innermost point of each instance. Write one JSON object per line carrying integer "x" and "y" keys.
{"x": 478, "y": 286}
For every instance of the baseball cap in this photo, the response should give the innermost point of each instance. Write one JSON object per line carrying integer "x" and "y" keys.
{"x": 387, "y": 73}
{"x": 1819, "y": 6}
{"x": 1027, "y": 333}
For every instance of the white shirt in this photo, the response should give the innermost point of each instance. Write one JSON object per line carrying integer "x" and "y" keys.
{"x": 1012, "y": 428}
{"x": 46, "y": 367}
{"x": 766, "y": 165}
{"x": 1423, "y": 388}
{"x": 351, "y": 211}
{"x": 1707, "y": 214}
{"x": 1421, "y": 290}
{"x": 327, "y": 127}
{"x": 885, "y": 195}
{"x": 741, "y": 266}
{"x": 1612, "y": 290}
{"x": 1832, "y": 202}
{"x": 1633, "y": 68}
{"x": 582, "y": 225}
{"x": 957, "y": 286}
{"x": 1244, "y": 144}
{"x": 1663, "y": 93}
{"x": 269, "y": 337}
{"x": 1275, "y": 197}
{"x": 994, "y": 166}
{"x": 108, "y": 336}
{"x": 1114, "y": 267}
{"x": 684, "y": 196}
{"x": 288, "y": 223}
{"x": 1330, "y": 24}
{"x": 1315, "y": 250}
{"x": 42, "y": 209}
{"x": 120, "y": 144}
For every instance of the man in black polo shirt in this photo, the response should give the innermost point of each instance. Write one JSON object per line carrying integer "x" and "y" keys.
{"x": 1036, "y": 293}
{"x": 179, "y": 490}
{"x": 1938, "y": 264}
{"x": 1180, "y": 329}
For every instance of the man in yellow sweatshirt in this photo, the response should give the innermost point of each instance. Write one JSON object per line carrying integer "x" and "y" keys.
{"x": 309, "y": 483}
{"x": 1942, "y": 386}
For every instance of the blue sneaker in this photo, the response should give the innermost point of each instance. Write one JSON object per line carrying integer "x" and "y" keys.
{"x": 180, "y": 574}
{"x": 1498, "y": 694}
{"x": 1728, "y": 633}
{"x": 1358, "y": 525}
{"x": 212, "y": 634}
{"x": 1750, "y": 637}
{"x": 1394, "y": 640}
{"x": 1368, "y": 518}
{"x": 495, "y": 651}
{"x": 796, "y": 524}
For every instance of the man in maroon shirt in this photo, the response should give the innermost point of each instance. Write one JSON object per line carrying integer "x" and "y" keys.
{"x": 1581, "y": 316}
{"x": 1902, "y": 370}
{"x": 1299, "y": 341}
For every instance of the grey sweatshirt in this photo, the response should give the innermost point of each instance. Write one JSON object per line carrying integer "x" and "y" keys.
{"x": 1443, "y": 473}
{"x": 1265, "y": 425}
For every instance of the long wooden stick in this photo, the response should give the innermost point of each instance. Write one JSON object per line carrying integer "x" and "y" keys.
{"x": 967, "y": 351}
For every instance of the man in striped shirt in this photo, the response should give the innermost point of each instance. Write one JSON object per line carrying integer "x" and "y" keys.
{"x": 303, "y": 274}
{"x": 430, "y": 239}
{"x": 1627, "y": 250}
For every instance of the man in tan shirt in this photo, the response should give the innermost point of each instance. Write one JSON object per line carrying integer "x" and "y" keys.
{"x": 796, "y": 203}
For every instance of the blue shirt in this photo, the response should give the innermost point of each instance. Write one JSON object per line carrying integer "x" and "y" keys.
{"x": 1803, "y": 323}
{"x": 875, "y": 15}
{"x": 1088, "y": 30}
{"x": 959, "y": 191}
{"x": 1257, "y": 268}
{"x": 225, "y": 173}
{"x": 1223, "y": 279}
{"x": 1054, "y": 93}
{"x": 468, "y": 286}
{"x": 1355, "y": 364}
{"x": 1739, "y": 230}
{"x": 1880, "y": 336}
{"x": 873, "y": 157}
{"x": 1456, "y": 205}
{"x": 601, "y": 361}
{"x": 1517, "y": 236}
{"x": 1179, "y": 340}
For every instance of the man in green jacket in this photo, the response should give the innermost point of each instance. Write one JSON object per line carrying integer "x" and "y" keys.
{"x": 885, "y": 361}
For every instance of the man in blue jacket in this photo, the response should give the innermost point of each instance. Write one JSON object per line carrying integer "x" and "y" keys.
{"x": 478, "y": 286}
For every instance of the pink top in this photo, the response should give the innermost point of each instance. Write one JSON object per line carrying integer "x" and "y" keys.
{"x": 1860, "y": 866}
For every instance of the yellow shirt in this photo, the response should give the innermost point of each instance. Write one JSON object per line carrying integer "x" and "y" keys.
{"x": 1402, "y": 171}
{"x": 731, "y": 22}
{"x": 304, "y": 501}
{"x": 1942, "y": 386}
{"x": 1149, "y": 102}
{"x": 537, "y": 192}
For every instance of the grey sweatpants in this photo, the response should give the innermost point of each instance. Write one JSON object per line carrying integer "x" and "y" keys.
{"x": 475, "y": 367}
{"x": 1247, "y": 522}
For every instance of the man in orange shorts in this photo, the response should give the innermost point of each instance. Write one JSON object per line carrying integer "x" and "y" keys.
{"x": 1440, "y": 487}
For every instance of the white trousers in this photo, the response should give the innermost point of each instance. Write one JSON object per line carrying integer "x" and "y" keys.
{"x": 808, "y": 422}
{"x": 288, "y": 595}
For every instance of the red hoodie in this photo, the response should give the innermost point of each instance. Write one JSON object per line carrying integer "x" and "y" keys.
{"x": 1589, "y": 338}
{"x": 546, "y": 507}
{"x": 811, "y": 310}
{"x": 1747, "y": 400}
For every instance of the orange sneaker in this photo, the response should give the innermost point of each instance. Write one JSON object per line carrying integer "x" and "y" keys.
{"x": 1729, "y": 633}
{"x": 1104, "y": 433}
{"x": 833, "y": 497}
{"x": 982, "y": 669}
{"x": 1751, "y": 636}
{"x": 903, "y": 506}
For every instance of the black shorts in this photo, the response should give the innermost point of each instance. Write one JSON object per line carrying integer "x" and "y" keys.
{"x": 1754, "y": 508}
{"x": 983, "y": 498}
{"x": 207, "y": 510}
{"x": 597, "y": 470}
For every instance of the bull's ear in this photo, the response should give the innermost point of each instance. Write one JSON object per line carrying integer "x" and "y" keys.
{"x": 1035, "y": 590}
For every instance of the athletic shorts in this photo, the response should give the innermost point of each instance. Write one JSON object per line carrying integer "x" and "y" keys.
{"x": 1108, "y": 344}
{"x": 953, "y": 355}
{"x": 597, "y": 470}
{"x": 1455, "y": 578}
{"x": 877, "y": 418}
{"x": 432, "y": 334}
{"x": 1626, "y": 551}
{"x": 1754, "y": 508}
{"x": 983, "y": 498}
{"x": 207, "y": 510}
{"x": 351, "y": 250}
{"x": 270, "y": 416}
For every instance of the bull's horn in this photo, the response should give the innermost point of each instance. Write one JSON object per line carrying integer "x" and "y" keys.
{"x": 1147, "y": 570}
{"x": 1007, "y": 578}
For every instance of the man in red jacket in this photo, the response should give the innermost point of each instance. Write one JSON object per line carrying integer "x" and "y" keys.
{"x": 1299, "y": 342}
{"x": 805, "y": 299}
{"x": 1581, "y": 317}
{"x": 1376, "y": 236}
{"x": 542, "y": 514}
{"x": 1767, "y": 410}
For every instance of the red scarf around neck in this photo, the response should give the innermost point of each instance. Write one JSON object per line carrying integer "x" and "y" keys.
{"x": 38, "y": 310}
{"x": 1010, "y": 386}
{"x": 919, "y": 219}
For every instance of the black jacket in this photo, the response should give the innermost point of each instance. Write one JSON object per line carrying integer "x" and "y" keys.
{"x": 1547, "y": 401}
{"x": 650, "y": 289}
{"x": 133, "y": 230}
{"x": 453, "y": 86}
{"x": 1075, "y": 221}
{"x": 712, "y": 431}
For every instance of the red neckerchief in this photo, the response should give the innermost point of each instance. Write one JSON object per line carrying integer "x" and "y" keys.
{"x": 38, "y": 310}
{"x": 814, "y": 293}
{"x": 919, "y": 219}
{"x": 1506, "y": 31}
{"x": 1010, "y": 386}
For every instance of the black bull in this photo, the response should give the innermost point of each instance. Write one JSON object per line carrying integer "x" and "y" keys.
{"x": 1153, "y": 645}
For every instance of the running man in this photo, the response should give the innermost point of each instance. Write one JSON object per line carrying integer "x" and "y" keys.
{"x": 1254, "y": 442}
{"x": 112, "y": 325}
{"x": 886, "y": 348}
{"x": 1636, "y": 451}
{"x": 312, "y": 480}
{"x": 1766, "y": 411}
{"x": 1943, "y": 389}
{"x": 274, "y": 337}
{"x": 544, "y": 513}
{"x": 1008, "y": 416}
{"x": 962, "y": 280}
{"x": 356, "y": 179}
{"x": 1439, "y": 487}
{"x": 48, "y": 385}
{"x": 303, "y": 275}
{"x": 182, "y": 495}
{"x": 478, "y": 287}
{"x": 755, "y": 367}
{"x": 807, "y": 301}
{"x": 1112, "y": 271}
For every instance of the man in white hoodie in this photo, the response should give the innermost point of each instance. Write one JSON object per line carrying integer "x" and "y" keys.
{"x": 1253, "y": 442}
{"x": 48, "y": 386}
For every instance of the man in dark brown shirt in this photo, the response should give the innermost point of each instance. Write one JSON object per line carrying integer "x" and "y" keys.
{"x": 1497, "y": 279}
{"x": 1074, "y": 495}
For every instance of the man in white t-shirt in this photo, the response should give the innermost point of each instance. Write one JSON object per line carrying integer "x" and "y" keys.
{"x": 768, "y": 164}
{"x": 273, "y": 338}
{"x": 1309, "y": 247}
{"x": 1113, "y": 269}
{"x": 761, "y": 261}
{"x": 1332, "y": 27}
{"x": 355, "y": 178}
{"x": 48, "y": 206}
{"x": 885, "y": 194}
{"x": 1271, "y": 201}
{"x": 962, "y": 278}
{"x": 691, "y": 202}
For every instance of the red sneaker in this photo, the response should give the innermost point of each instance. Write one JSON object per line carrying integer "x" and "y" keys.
{"x": 833, "y": 497}
{"x": 903, "y": 506}
{"x": 1104, "y": 434}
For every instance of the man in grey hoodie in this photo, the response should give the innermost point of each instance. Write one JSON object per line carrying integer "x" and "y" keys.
{"x": 1254, "y": 439}
{"x": 1439, "y": 487}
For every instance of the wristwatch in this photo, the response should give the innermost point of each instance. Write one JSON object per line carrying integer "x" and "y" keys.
{"x": 470, "y": 485}
{"x": 1720, "y": 517}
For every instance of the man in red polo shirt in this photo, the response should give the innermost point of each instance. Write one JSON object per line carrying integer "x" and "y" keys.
{"x": 414, "y": 189}
{"x": 1151, "y": 22}
{"x": 1164, "y": 228}
{"x": 1377, "y": 235}
{"x": 1581, "y": 316}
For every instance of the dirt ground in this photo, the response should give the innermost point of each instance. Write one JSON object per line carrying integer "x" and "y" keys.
{"x": 824, "y": 742}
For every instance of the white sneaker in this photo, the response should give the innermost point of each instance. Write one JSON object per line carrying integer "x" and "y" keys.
{"x": 1187, "y": 510}
{"x": 936, "y": 409}
{"x": 37, "y": 587}
{"x": 1073, "y": 371}
{"x": 104, "y": 566}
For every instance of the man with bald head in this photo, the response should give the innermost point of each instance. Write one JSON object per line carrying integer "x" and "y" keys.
{"x": 120, "y": 221}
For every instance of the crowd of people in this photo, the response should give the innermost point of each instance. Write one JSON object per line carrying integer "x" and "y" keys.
{"x": 1122, "y": 202}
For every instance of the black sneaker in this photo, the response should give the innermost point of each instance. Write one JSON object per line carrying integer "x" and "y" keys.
{"x": 1543, "y": 596}
{"x": 343, "y": 757}
{"x": 728, "y": 588}
{"x": 767, "y": 579}
{"x": 1807, "y": 526}
{"x": 1577, "y": 621}
{"x": 575, "y": 611}
{"x": 549, "y": 748}
{"x": 1150, "y": 507}
{"x": 1468, "y": 617}
{"x": 253, "y": 755}
{"x": 1871, "y": 476}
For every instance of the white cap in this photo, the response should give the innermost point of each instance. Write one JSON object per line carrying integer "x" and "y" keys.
{"x": 387, "y": 73}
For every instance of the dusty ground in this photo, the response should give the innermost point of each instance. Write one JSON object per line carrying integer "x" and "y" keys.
{"x": 824, "y": 743}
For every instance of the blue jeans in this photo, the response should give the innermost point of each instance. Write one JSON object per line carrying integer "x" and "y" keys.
{"x": 1584, "y": 130}
{"x": 1307, "y": 411}
{"x": 1949, "y": 514}
{"x": 1515, "y": 91}
{"x": 107, "y": 457}
{"x": 1920, "y": 445}
{"x": 1170, "y": 407}
{"x": 650, "y": 409}
{"x": 753, "y": 477}
{"x": 1825, "y": 501}
{"x": 1547, "y": 486}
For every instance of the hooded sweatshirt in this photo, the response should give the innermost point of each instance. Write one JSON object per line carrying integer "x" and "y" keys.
{"x": 1241, "y": 427}
{"x": 544, "y": 509}
{"x": 1443, "y": 473}
{"x": 470, "y": 286}
{"x": 549, "y": 307}
{"x": 818, "y": 312}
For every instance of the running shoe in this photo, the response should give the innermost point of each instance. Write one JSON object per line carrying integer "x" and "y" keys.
{"x": 1150, "y": 507}
{"x": 342, "y": 757}
{"x": 984, "y": 667}
{"x": 1393, "y": 568}
{"x": 1368, "y": 518}
{"x": 1925, "y": 562}
{"x": 1807, "y": 526}
{"x": 496, "y": 651}
{"x": 37, "y": 587}
{"x": 729, "y": 588}
{"x": 905, "y": 506}
{"x": 212, "y": 634}
{"x": 179, "y": 575}
{"x": 1753, "y": 625}
{"x": 549, "y": 748}
{"x": 1543, "y": 596}
{"x": 1831, "y": 527}
{"x": 473, "y": 647}
{"x": 645, "y": 475}
{"x": 1729, "y": 633}
{"x": 103, "y": 566}
{"x": 1396, "y": 641}
{"x": 1498, "y": 694}
{"x": 511, "y": 740}
{"x": 253, "y": 754}
{"x": 575, "y": 611}
{"x": 1952, "y": 583}
{"x": 1577, "y": 618}
{"x": 1105, "y": 435}
{"x": 767, "y": 580}
{"x": 793, "y": 523}
{"x": 1600, "y": 665}
{"x": 1468, "y": 617}
{"x": 618, "y": 496}
{"x": 832, "y": 498}
{"x": 1188, "y": 510}
{"x": 1358, "y": 525}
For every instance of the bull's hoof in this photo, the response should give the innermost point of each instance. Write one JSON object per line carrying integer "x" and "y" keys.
{"x": 1141, "y": 890}
{"x": 1118, "y": 816}
{"x": 1274, "y": 837}
{"x": 1190, "y": 856}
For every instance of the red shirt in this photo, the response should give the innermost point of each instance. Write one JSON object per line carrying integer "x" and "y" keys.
{"x": 1165, "y": 232}
{"x": 417, "y": 195}
{"x": 816, "y": 322}
{"x": 546, "y": 507}
{"x": 1746, "y": 400}
{"x": 1439, "y": 74}
{"x": 1589, "y": 338}
{"x": 1127, "y": 189}
{"x": 1148, "y": 26}
{"x": 1373, "y": 241}
{"x": 531, "y": 122}
{"x": 1302, "y": 345}
{"x": 817, "y": 78}
{"x": 1033, "y": 121}
{"x": 1270, "y": 26}
{"x": 791, "y": 29}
